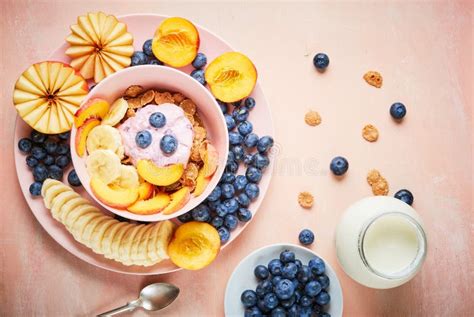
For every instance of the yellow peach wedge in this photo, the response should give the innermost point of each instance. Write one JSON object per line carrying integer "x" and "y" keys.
{"x": 82, "y": 133}
{"x": 150, "y": 206}
{"x": 211, "y": 159}
{"x": 194, "y": 245}
{"x": 201, "y": 183}
{"x": 113, "y": 196}
{"x": 160, "y": 176}
{"x": 96, "y": 107}
{"x": 145, "y": 190}
{"x": 178, "y": 199}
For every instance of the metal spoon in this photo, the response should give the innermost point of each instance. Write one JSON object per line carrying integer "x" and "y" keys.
{"x": 153, "y": 297}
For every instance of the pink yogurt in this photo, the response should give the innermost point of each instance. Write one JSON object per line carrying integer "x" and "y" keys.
{"x": 176, "y": 124}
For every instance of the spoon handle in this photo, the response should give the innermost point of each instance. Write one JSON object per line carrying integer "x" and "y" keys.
{"x": 122, "y": 309}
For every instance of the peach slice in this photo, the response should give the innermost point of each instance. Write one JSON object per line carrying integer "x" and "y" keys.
{"x": 194, "y": 245}
{"x": 176, "y": 42}
{"x": 95, "y": 107}
{"x": 113, "y": 196}
{"x": 145, "y": 190}
{"x": 231, "y": 76}
{"x": 178, "y": 199}
{"x": 201, "y": 183}
{"x": 150, "y": 206}
{"x": 160, "y": 176}
{"x": 82, "y": 133}
{"x": 211, "y": 160}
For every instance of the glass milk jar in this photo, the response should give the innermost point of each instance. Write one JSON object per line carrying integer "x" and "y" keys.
{"x": 380, "y": 242}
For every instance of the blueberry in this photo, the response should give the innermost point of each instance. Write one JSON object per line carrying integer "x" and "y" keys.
{"x": 55, "y": 172}
{"x": 284, "y": 289}
{"x": 305, "y": 311}
{"x": 230, "y": 156}
{"x": 143, "y": 139}
{"x": 306, "y": 237}
{"x": 231, "y": 222}
{"x": 275, "y": 267}
{"x": 296, "y": 283}
{"x": 35, "y": 188}
{"x": 304, "y": 274}
{"x": 38, "y": 137}
{"x": 287, "y": 256}
{"x": 223, "y": 106}
{"x": 248, "y": 159}
{"x": 244, "y": 214}
{"x": 31, "y": 161}
{"x": 404, "y": 195}
{"x": 249, "y": 103}
{"x": 294, "y": 311}
{"x": 231, "y": 205}
{"x": 48, "y": 160}
{"x": 155, "y": 61}
{"x": 139, "y": 58}
{"x": 264, "y": 286}
{"x": 227, "y": 190}
{"x": 65, "y": 135}
{"x": 264, "y": 144}
{"x": 38, "y": 152}
{"x": 276, "y": 279}
{"x": 323, "y": 298}
{"x": 217, "y": 222}
{"x": 324, "y": 314}
{"x": 245, "y": 128}
{"x": 339, "y": 165}
{"x": 287, "y": 303}
{"x": 253, "y": 312}
{"x": 62, "y": 161}
{"x": 73, "y": 179}
{"x": 248, "y": 298}
{"x": 230, "y": 122}
{"x": 323, "y": 279}
{"x": 240, "y": 182}
{"x": 62, "y": 149}
{"x": 317, "y": 265}
{"x": 215, "y": 194}
{"x": 237, "y": 103}
{"x": 224, "y": 234}
{"x": 298, "y": 263}
{"x": 50, "y": 146}
{"x": 312, "y": 288}
{"x": 213, "y": 205}
{"x": 187, "y": 217}
{"x": 199, "y": 61}
{"x": 25, "y": 145}
{"x": 198, "y": 74}
{"x": 40, "y": 173}
{"x": 157, "y": 120}
{"x": 306, "y": 301}
{"x": 240, "y": 114}
{"x": 228, "y": 178}
{"x": 235, "y": 138}
{"x": 251, "y": 140}
{"x": 239, "y": 152}
{"x": 253, "y": 174}
{"x": 270, "y": 301}
{"x": 147, "y": 48}
{"x": 261, "y": 272}
{"x": 168, "y": 144}
{"x": 232, "y": 166}
{"x": 278, "y": 312}
{"x": 261, "y": 161}
{"x": 289, "y": 270}
{"x": 398, "y": 110}
{"x": 201, "y": 213}
{"x": 252, "y": 191}
{"x": 262, "y": 307}
{"x": 321, "y": 61}
{"x": 243, "y": 200}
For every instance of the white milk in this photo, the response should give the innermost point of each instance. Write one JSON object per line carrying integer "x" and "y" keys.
{"x": 380, "y": 242}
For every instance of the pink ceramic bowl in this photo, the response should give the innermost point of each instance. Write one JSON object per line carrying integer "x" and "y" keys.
{"x": 169, "y": 79}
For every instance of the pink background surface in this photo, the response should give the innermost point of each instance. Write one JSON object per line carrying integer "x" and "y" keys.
{"x": 424, "y": 52}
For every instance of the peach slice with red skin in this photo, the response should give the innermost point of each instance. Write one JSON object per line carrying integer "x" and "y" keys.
{"x": 160, "y": 176}
{"x": 150, "y": 206}
{"x": 178, "y": 199}
{"x": 176, "y": 42}
{"x": 231, "y": 76}
{"x": 96, "y": 107}
{"x": 82, "y": 133}
{"x": 211, "y": 160}
{"x": 194, "y": 246}
{"x": 113, "y": 196}
{"x": 201, "y": 183}
{"x": 145, "y": 190}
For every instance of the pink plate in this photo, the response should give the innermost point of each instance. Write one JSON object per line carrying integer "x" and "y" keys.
{"x": 142, "y": 27}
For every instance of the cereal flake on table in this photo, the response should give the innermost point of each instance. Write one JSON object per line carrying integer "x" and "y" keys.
{"x": 370, "y": 133}
{"x": 378, "y": 183}
{"x": 312, "y": 118}
{"x": 305, "y": 200}
{"x": 373, "y": 78}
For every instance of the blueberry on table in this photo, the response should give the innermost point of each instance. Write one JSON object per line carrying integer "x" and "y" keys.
{"x": 244, "y": 214}
{"x": 304, "y": 274}
{"x": 199, "y": 61}
{"x": 248, "y": 298}
{"x": 253, "y": 174}
{"x": 35, "y": 188}
{"x": 222, "y": 105}
{"x": 55, "y": 172}
{"x": 62, "y": 149}
{"x": 157, "y": 120}
{"x": 235, "y": 138}
{"x": 239, "y": 152}
{"x": 224, "y": 234}
{"x": 25, "y": 145}
{"x": 139, "y": 58}
{"x": 251, "y": 140}
{"x": 289, "y": 270}
{"x": 321, "y": 61}
{"x": 306, "y": 301}
{"x": 40, "y": 173}
{"x": 73, "y": 179}
{"x": 62, "y": 161}
{"x": 245, "y": 128}
{"x": 228, "y": 177}
{"x": 264, "y": 144}
{"x": 317, "y": 265}
{"x": 231, "y": 222}
{"x": 237, "y": 103}
{"x": 232, "y": 166}
{"x": 217, "y": 222}
{"x": 276, "y": 279}
{"x": 294, "y": 311}
{"x": 248, "y": 159}
{"x": 270, "y": 301}
{"x": 38, "y": 152}
{"x": 243, "y": 200}
{"x": 404, "y": 195}
{"x": 284, "y": 289}
{"x": 278, "y": 312}
{"x": 249, "y": 103}
{"x": 252, "y": 191}
{"x": 198, "y": 74}
{"x": 287, "y": 256}
{"x": 230, "y": 122}
{"x": 38, "y": 137}
{"x": 306, "y": 237}
{"x": 50, "y": 146}
{"x": 227, "y": 190}
{"x": 147, "y": 47}
{"x": 261, "y": 272}
{"x": 240, "y": 182}
{"x": 168, "y": 144}
{"x": 201, "y": 213}
{"x": 398, "y": 110}
{"x": 312, "y": 288}
{"x": 240, "y": 114}
{"x": 275, "y": 267}
{"x": 65, "y": 135}
{"x": 215, "y": 194}
{"x": 48, "y": 160}
{"x": 31, "y": 161}
{"x": 253, "y": 312}
{"x": 323, "y": 298}
{"x": 261, "y": 161}
{"x": 231, "y": 205}
{"x": 287, "y": 303}
{"x": 339, "y": 165}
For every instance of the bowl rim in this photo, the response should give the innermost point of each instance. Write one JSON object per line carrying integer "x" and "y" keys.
{"x": 212, "y": 184}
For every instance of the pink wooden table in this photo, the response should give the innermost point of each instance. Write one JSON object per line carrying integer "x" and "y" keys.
{"x": 425, "y": 53}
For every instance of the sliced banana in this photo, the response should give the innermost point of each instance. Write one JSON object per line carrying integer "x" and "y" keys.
{"x": 98, "y": 234}
{"x": 70, "y": 205}
{"x": 109, "y": 237}
{"x": 117, "y": 241}
{"x": 128, "y": 177}
{"x": 89, "y": 229}
{"x": 104, "y": 164}
{"x": 105, "y": 137}
{"x": 52, "y": 192}
{"x": 116, "y": 113}
{"x": 59, "y": 202}
{"x": 126, "y": 244}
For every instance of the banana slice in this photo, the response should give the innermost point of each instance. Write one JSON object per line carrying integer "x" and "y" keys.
{"x": 117, "y": 241}
{"x": 104, "y": 164}
{"x": 47, "y": 184}
{"x": 69, "y": 218}
{"x": 90, "y": 227}
{"x": 70, "y": 205}
{"x": 137, "y": 241}
{"x": 128, "y": 177}
{"x": 81, "y": 223}
{"x": 126, "y": 244}
{"x": 109, "y": 237}
{"x": 98, "y": 234}
{"x": 116, "y": 112}
{"x": 52, "y": 192}
{"x": 164, "y": 237}
{"x": 105, "y": 137}
{"x": 151, "y": 247}
{"x": 57, "y": 207}
{"x": 140, "y": 257}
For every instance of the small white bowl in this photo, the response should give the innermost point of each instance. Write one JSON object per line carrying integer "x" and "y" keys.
{"x": 243, "y": 278}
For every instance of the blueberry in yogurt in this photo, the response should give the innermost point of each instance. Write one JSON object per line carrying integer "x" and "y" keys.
{"x": 168, "y": 144}
{"x": 157, "y": 120}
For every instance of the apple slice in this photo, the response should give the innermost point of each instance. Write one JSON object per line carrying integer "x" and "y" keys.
{"x": 178, "y": 199}
{"x": 113, "y": 196}
{"x": 160, "y": 176}
{"x": 201, "y": 183}
{"x": 95, "y": 107}
{"x": 82, "y": 133}
{"x": 150, "y": 206}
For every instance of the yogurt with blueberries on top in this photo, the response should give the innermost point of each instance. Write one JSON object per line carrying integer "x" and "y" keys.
{"x": 162, "y": 134}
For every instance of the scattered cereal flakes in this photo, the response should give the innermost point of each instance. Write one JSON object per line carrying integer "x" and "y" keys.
{"x": 305, "y": 200}
{"x": 373, "y": 78}
{"x": 191, "y": 171}
{"x": 188, "y": 106}
{"x": 203, "y": 150}
{"x": 134, "y": 103}
{"x": 130, "y": 113}
{"x": 199, "y": 133}
{"x": 147, "y": 97}
{"x": 133, "y": 91}
{"x": 195, "y": 155}
{"x": 373, "y": 176}
{"x": 163, "y": 97}
{"x": 178, "y": 97}
{"x": 380, "y": 187}
{"x": 312, "y": 118}
{"x": 198, "y": 121}
{"x": 370, "y": 133}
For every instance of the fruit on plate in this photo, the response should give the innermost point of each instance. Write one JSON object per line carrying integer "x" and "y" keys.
{"x": 150, "y": 206}
{"x": 128, "y": 177}
{"x": 176, "y": 42}
{"x": 210, "y": 159}
{"x": 95, "y": 107}
{"x": 231, "y": 76}
{"x": 105, "y": 137}
{"x": 104, "y": 165}
{"x": 99, "y": 45}
{"x": 160, "y": 176}
{"x": 194, "y": 245}
{"x": 178, "y": 199}
{"x": 112, "y": 195}
{"x": 145, "y": 190}
{"x": 47, "y": 95}
{"x": 105, "y": 235}
{"x": 201, "y": 183}
{"x": 82, "y": 133}
{"x": 116, "y": 112}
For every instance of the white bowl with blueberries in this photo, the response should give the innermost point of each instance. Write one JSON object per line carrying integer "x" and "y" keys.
{"x": 283, "y": 280}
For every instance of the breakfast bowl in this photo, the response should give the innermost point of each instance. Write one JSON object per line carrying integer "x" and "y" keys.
{"x": 157, "y": 165}
{"x": 244, "y": 277}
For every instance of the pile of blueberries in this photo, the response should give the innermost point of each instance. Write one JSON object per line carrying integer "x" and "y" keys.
{"x": 47, "y": 156}
{"x": 228, "y": 203}
{"x": 287, "y": 287}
